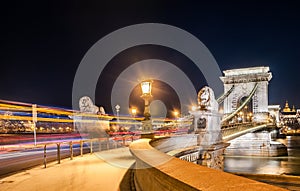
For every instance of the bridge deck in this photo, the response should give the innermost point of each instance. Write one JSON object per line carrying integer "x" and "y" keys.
{"x": 232, "y": 133}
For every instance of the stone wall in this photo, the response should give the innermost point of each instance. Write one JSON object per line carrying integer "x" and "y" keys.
{"x": 155, "y": 170}
{"x": 168, "y": 144}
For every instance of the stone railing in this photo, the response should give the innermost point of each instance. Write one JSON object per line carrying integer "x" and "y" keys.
{"x": 155, "y": 170}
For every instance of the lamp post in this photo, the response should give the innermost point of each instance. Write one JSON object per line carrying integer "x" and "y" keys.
{"x": 194, "y": 108}
{"x": 176, "y": 113}
{"x": 34, "y": 120}
{"x": 118, "y": 110}
{"x": 146, "y": 95}
{"x": 133, "y": 112}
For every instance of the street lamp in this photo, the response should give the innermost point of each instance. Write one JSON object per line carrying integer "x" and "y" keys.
{"x": 146, "y": 95}
{"x": 133, "y": 111}
{"x": 118, "y": 110}
{"x": 194, "y": 108}
{"x": 176, "y": 116}
{"x": 34, "y": 120}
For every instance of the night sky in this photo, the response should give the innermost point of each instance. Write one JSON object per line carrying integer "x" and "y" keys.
{"x": 42, "y": 43}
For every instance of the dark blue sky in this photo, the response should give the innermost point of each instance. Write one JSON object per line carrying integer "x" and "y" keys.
{"x": 42, "y": 43}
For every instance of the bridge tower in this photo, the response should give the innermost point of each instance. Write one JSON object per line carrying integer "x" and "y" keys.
{"x": 249, "y": 97}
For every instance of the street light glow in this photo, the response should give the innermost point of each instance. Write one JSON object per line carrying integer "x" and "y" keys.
{"x": 133, "y": 111}
{"x": 146, "y": 87}
{"x": 194, "y": 108}
{"x": 175, "y": 113}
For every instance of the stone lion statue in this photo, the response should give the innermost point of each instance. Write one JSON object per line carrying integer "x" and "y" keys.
{"x": 206, "y": 99}
{"x": 86, "y": 105}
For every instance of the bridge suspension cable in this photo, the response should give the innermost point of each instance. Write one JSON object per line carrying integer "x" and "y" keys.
{"x": 225, "y": 95}
{"x": 242, "y": 105}
{"x": 239, "y": 131}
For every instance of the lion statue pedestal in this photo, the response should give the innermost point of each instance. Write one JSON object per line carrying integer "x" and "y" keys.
{"x": 207, "y": 124}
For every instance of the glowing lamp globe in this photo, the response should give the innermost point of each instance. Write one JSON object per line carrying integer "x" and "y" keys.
{"x": 146, "y": 87}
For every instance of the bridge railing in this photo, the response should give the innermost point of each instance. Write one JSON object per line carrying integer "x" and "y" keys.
{"x": 236, "y": 131}
{"x": 230, "y": 129}
{"x": 93, "y": 144}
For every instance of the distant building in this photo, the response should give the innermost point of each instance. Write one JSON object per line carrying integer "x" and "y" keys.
{"x": 288, "y": 116}
{"x": 287, "y": 110}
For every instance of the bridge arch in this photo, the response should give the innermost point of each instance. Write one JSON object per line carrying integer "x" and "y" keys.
{"x": 249, "y": 83}
{"x": 245, "y": 114}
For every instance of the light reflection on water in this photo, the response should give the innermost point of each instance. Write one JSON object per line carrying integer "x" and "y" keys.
{"x": 289, "y": 165}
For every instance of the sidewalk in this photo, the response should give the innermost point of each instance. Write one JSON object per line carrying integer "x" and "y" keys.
{"x": 99, "y": 171}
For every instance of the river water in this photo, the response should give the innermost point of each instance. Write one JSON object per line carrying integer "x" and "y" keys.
{"x": 289, "y": 165}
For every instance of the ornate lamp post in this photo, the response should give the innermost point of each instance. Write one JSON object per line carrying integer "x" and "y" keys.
{"x": 146, "y": 95}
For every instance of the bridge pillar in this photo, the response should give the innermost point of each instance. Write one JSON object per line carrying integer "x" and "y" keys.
{"x": 207, "y": 124}
{"x": 244, "y": 80}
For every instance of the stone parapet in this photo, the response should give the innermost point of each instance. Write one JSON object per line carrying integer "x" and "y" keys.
{"x": 155, "y": 170}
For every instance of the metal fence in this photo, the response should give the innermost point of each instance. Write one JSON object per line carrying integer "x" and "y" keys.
{"x": 96, "y": 144}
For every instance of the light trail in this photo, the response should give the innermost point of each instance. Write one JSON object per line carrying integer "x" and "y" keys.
{"x": 71, "y": 116}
